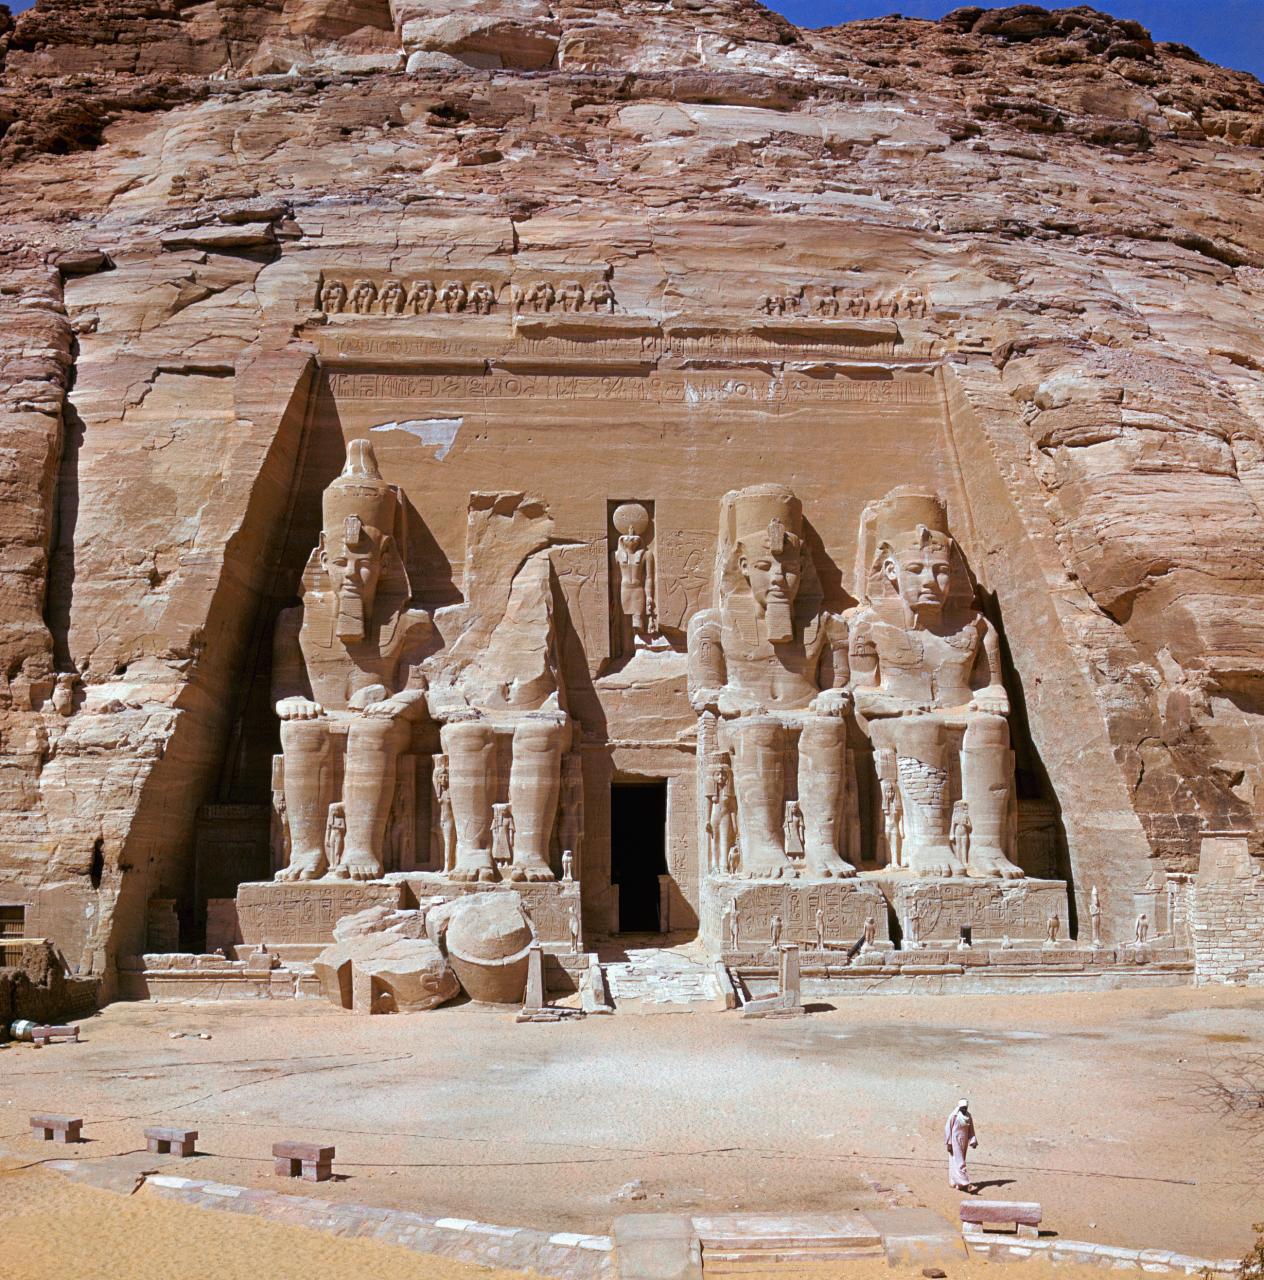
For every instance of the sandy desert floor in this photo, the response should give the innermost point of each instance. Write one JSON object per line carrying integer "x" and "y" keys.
{"x": 1086, "y": 1103}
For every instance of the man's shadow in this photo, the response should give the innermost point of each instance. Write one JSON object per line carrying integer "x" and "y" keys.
{"x": 994, "y": 1182}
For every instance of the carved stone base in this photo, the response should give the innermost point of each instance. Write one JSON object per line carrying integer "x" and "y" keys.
{"x": 304, "y": 912}
{"x": 845, "y": 905}
{"x": 935, "y": 910}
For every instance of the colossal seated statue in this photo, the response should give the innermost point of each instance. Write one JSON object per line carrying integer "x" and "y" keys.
{"x": 926, "y": 679}
{"x": 771, "y": 664}
{"x": 341, "y": 665}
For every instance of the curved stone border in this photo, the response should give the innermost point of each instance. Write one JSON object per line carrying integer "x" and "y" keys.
{"x": 563, "y": 1254}
{"x": 1000, "y": 1248}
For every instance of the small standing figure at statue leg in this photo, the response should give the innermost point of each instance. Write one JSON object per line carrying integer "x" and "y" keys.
{"x": 959, "y": 1134}
{"x": 502, "y": 834}
{"x": 335, "y": 839}
{"x": 959, "y": 831}
{"x": 721, "y": 815}
{"x": 893, "y": 822}
{"x": 1143, "y": 929}
{"x": 443, "y": 808}
{"x": 568, "y": 863}
{"x": 793, "y": 828}
{"x": 1095, "y": 916}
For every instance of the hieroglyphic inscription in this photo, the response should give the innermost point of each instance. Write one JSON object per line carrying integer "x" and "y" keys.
{"x": 306, "y": 912}
{"x": 685, "y": 388}
{"x": 685, "y": 562}
{"x": 640, "y": 348}
{"x": 992, "y": 910}
{"x": 844, "y": 907}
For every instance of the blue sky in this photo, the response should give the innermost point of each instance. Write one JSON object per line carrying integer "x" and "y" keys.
{"x": 1230, "y": 32}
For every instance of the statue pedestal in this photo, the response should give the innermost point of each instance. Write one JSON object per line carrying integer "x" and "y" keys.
{"x": 934, "y": 910}
{"x": 844, "y": 904}
{"x": 297, "y": 919}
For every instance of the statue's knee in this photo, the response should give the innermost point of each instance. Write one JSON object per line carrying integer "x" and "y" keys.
{"x": 303, "y": 737}
{"x": 987, "y": 731}
{"x": 464, "y": 738}
{"x": 540, "y": 737}
{"x": 374, "y": 736}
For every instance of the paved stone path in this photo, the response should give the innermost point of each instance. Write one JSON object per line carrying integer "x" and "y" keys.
{"x": 655, "y": 977}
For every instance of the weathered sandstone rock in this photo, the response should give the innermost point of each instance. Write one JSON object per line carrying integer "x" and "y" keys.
{"x": 551, "y": 262}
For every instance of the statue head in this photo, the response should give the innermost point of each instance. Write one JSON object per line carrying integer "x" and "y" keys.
{"x": 768, "y": 529}
{"x": 911, "y": 555}
{"x": 356, "y": 545}
{"x": 920, "y": 569}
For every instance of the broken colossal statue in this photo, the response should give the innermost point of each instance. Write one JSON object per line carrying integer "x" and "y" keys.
{"x": 768, "y": 664}
{"x": 926, "y": 678}
{"x": 341, "y": 666}
{"x": 501, "y": 679}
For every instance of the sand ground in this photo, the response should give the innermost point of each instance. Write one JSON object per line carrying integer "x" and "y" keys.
{"x": 55, "y": 1229}
{"x": 1083, "y": 1102}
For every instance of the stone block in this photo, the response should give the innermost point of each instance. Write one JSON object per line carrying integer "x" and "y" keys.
{"x": 656, "y": 1246}
{"x": 56, "y": 1128}
{"x": 305, "y": 911}
{"x": 165, "y": 1140}
{"x": 936, "y": 910}
{"x": 845, "y": 906}
{"x": 308, "y": 1160}
{"x": 385, "y": 973}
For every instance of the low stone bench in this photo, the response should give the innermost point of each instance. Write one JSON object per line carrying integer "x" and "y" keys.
{"x": 163, "y": 1140}
{"x": 57, "y": 1128}
{"x": 1022, "y": 1215}
{"x": 308, "y": 1160}
{"x": 40, "y": 1036}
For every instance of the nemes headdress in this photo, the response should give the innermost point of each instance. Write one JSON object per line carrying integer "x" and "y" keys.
{"x": 906, "y": 518}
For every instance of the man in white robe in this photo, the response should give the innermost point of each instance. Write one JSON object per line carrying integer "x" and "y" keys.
{"x": 958, "y": 1135}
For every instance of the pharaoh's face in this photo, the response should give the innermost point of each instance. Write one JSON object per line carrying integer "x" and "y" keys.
{"x": 920, "y": 574}
{"x": 352, "y": 557}
{"x": 774, "y": 579}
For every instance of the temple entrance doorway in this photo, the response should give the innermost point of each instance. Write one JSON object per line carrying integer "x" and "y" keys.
{"x": 638, "y": 852}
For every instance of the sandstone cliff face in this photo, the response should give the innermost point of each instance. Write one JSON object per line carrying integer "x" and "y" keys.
{"x": 1078, "y": 206}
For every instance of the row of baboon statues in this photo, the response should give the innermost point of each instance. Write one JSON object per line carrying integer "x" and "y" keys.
{"x": 479, "y": 297}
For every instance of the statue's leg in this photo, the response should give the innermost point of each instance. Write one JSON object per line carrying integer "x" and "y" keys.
{"x": 822, "y": 788}
{"x": 534, "y": 782}
{"x": 470, "y": 746}
{"x": 921, "y": 750}
{"x": 368, "y": 790}
{"x": 987, "y": 782}
{"x": 305, "y": 744}
{"x": 758, "y": 748}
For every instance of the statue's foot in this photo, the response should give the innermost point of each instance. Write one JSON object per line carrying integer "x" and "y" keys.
{"x": 827, "y": 864}
{"x": 534, "y": 870}
{"x": 938, "y": 861}
{"x": 358, "y": 866}
{"x": 992, "y": 862}
{"x": 476, "y": 872}
{"x": 304, "y": 866}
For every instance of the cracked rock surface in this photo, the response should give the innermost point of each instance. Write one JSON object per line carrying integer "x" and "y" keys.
{"x": 1077, "y": 206}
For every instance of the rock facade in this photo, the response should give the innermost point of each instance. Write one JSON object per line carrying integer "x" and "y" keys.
{"x": 575, "y": 274}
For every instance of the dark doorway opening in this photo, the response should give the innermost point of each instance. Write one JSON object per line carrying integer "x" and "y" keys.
{"x": 638, "y": 851}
